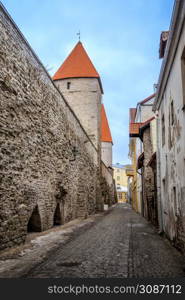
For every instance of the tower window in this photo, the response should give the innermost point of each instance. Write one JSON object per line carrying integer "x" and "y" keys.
{"x": 68, "y": 85}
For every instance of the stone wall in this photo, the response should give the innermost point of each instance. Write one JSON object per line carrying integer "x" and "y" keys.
{"x": 47, "y": 160}
{"x": 108, "y": 187}
{"x": 148, "y": 179}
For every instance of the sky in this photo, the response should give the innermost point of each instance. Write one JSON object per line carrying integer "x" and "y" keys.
{"x": 121, "y": 38}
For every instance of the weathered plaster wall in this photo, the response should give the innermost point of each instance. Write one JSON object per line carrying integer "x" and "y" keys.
{"x": 39, "y": 134}
{"x": 171, "y": 155}
{"x": 153, "y": 135}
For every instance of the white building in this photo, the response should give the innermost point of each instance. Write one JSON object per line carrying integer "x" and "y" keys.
{"x": 170, "y": 107}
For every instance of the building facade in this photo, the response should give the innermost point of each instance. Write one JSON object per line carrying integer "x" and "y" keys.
{"x": 120, "y": 178}
{"x": 169, "y": 106}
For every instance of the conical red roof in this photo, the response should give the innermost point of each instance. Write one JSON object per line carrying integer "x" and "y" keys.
{"x": 105, "y": 130}
{"x": 77, "y": 64}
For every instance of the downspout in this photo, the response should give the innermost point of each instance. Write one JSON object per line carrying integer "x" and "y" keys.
{"x": 159, "y": 203}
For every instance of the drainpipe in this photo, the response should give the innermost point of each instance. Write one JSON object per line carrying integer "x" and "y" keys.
{"x": 159, "y": 203}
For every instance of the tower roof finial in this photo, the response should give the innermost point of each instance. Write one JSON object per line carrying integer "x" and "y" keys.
{"x": 78, "y": 33}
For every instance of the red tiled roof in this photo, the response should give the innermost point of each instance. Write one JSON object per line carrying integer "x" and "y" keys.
{"x": 134, "y": 129}
{"x": 77, "y": 64}
{"x": 132, "y": 114}
{"x": 147, "y": 99}
{"x": 105, "y": 130}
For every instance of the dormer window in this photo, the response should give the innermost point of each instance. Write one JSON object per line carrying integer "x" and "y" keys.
{"x": 68, "y": 85}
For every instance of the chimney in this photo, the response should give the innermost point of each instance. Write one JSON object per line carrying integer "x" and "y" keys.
{"x": 163, "y": 42}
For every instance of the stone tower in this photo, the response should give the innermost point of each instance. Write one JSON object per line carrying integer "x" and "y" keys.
{"x": 106, "y": 140}
{"x": 81, "y": 86}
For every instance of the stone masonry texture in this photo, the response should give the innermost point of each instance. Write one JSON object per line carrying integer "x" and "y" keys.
{"x": 150, "y": 208}
{"x": 120, "y": 244}
{"x": 46, "y": 158}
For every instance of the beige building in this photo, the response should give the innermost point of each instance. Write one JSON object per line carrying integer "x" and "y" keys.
{"x": 169, "y": 106}
{"x": 121, "y": 181}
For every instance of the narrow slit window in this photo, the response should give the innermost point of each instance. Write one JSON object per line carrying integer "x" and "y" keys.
{"x": 172, "y": 113}
{"x": 163, "y": 130}
{"x": 68, "y": 85}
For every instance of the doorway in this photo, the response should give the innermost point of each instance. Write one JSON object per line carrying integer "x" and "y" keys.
{"x": 57, "y": 219}
{"x": 34, "y": 224}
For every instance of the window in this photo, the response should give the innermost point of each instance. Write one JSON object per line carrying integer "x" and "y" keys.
{"x": 163, "y": 130}
{"x": 164, "y": 187}
{"x": 68, "y": 85}
{"x": 118, "y": 171}
{"x": 118, "y": 177}
{"x": 172, "y": 113}
{"x": 175, "y": 200}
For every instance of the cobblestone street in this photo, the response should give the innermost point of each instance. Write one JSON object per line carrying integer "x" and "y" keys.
{"x": 119, "y": 244}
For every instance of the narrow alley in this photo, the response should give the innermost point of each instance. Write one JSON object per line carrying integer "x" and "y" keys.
{"x": 119, "y": 244}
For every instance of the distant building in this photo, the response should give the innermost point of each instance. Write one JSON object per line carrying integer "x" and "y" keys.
{"x": 121, "y": 181}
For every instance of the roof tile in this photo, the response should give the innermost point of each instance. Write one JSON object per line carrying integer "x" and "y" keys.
{"x": 134, "y": 129}
{"x": 77, "y": 64}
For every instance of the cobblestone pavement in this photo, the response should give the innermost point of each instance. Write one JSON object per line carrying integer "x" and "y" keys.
{"x": 119, "y": 244}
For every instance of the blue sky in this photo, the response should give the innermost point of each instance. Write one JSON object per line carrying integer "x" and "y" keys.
{"x": 121, "y": 38}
